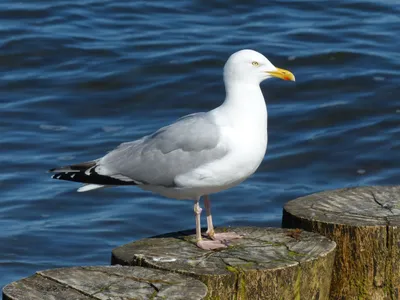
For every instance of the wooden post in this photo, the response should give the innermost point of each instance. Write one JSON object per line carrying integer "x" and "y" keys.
{"x": 364, "y": 222}
{"x": 267, "y": 263}
{"x": 112, "y": 283}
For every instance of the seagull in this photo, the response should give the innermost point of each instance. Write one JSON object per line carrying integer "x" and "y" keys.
{"x": 198, "y": 155}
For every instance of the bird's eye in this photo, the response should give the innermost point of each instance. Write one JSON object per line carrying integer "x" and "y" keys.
{"x": 254, "y": 63}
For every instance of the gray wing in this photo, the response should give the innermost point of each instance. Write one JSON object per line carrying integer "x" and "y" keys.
{"x": 171, "y": 151}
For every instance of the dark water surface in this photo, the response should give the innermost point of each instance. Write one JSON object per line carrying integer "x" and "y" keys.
{"x": 80, "y": 77}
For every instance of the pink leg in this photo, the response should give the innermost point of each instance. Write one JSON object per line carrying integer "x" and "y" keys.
{"x": 204, "y": 244}
{"x": 224, "y": 236}
{"x": 210, "y": 227}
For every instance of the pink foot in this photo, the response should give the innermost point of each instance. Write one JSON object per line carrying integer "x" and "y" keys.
{"x": 210, "y": 245}
{"x": 226, "y": 236}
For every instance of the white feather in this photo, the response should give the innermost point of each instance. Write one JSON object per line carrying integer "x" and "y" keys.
{"x": 90, "y": 187}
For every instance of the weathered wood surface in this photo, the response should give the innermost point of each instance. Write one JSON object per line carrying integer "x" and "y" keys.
{"x": 112, "y": 282}
{"x": 364, "y": 222}
{"x": 267, "y": 263}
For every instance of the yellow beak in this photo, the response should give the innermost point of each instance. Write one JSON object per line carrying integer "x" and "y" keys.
{"x": 282, "y": 74}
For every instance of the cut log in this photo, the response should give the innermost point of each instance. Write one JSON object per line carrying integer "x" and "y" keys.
{"x": 267, "y": 263}
{"x": 88, "y": 283}
{"x": 364, "y": 222}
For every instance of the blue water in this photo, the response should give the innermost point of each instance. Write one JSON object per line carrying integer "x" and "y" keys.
{"x": 80, "y": 77}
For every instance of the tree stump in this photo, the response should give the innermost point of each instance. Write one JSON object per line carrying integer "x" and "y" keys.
{"x": 267, "y": 263}
{"x": 364, "y": 223}
{"x": 88, "y": 283}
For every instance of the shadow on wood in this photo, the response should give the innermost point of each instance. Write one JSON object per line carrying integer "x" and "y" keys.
{"x": 268, "y": 263}
{"x": 364, "y": 222}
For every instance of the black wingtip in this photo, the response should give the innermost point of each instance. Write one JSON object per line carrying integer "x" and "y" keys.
{"x": 91, "y": 178}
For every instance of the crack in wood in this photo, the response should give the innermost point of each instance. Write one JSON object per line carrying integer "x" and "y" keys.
{"x": 384, "y": 206}
{"x": 66, "y": 285}
{"x": 134, "y": 278}
{"x": 347, "y": 214}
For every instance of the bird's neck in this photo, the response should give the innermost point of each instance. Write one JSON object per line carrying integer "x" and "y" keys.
{"x": 245, "y": 104}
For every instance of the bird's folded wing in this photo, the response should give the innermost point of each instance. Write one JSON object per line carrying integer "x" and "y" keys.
{"x": 158, "y": 159}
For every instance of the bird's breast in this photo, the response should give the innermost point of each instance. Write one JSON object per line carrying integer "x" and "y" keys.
{"x": 248, "y": 145}
{"x": 246, "y": 148}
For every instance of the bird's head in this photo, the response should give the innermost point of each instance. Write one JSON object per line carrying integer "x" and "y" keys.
{"x": 252, "y": 67}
